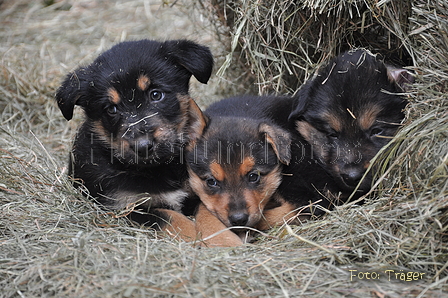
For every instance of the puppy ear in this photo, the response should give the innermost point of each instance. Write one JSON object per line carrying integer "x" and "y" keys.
{"x": 279, "y": 139}
{"x": 401, "y": 77}
{"x": 68, "y": 94}
{"x": 197, "y": 59}
{"x": 300, "y": 102}
{"x": 197, "y": 122}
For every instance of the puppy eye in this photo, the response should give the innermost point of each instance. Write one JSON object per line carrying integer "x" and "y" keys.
{"x": 376, "y": 131}
{"x": 332, "y": 134}
{"x": 211, "y": 182}
{"x": 112, "y": 110}
{"x": 156, "y": 95}
{"x": 254, "y": 177}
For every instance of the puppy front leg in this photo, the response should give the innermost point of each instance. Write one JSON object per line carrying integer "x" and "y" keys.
{"x": 179, "y": 225}
{"x": 171, "y": 222}
{"x": 207, "y": 224}
{"x": 285, "y": 213}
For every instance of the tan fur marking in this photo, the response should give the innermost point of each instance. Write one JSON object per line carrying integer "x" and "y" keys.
{"x": 114, "y": 97}
{"x": 119, "y": 144}
{"x": 269, "y": 131}
{"x": 184, "y": 104}
{"x": 306, "y": 130}
{"x": 272, "y": 181}
{"x": 102, "y": 133}
{"x": 256, "y": 200}
{"x": 281, "y": 148}
{"x": 334, "y": 122}
{"x": 217, "y": 204}
{"x": 143, "y": 82}
{"x": 368, "y": 117}
{"x": 207, "y": 224}
{"x": 179, "y": 226}
{"x": 163, "y": 132}
{"x": 366, "y": 165}
{"x": 217, "y": 171}
{"x": 314, "y": 137}
{"x": 196, "y": 184}
{"x": 255, "y": 203}
{"x": 197, "y": 123}
{"x": 246, "y": 166}
{"x": 285, "y": 213}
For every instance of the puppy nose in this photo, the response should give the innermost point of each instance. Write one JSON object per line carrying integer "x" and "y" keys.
{"x": 352, "y": 176}
{"x": 142, "y": 147}
{"x": 239, "y": 219}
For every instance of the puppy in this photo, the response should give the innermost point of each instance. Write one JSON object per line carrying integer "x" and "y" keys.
{"x": 235, "y": 169}
{"x": 350, "y": 109}
{"x": 139, "y": 119}
{"x": 338, "y": 121}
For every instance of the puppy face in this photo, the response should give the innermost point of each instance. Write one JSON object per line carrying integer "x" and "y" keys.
{"x": 235, "y": 168}
{"x": 135, "y": 97}
{"x": 348, "y": 112}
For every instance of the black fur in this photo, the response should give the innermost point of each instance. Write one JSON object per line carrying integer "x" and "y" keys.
{"x": 362, "y": 95}
{"x": 327, "y": 164}
{"x": 250, "y": 152}
{"x": 139, "y": 118}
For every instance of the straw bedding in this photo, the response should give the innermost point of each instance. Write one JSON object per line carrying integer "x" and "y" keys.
{"x": 55, "y": 243}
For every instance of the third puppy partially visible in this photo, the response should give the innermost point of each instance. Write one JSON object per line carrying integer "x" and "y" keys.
{"x": 351, "y": 109}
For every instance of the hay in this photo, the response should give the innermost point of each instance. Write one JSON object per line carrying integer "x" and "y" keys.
{"x": 53, "y": 242}
{"x": 282, "y": 42}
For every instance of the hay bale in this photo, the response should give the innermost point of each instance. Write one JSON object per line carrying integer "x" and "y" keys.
{"x": 281, "y": 43}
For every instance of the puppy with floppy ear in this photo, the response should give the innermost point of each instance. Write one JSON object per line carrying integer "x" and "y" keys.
{"x": 128, "y": 153}
{"x": 235, "y": 169}
{"x": 346, "y": 113}
{"x": 338, "y": 121}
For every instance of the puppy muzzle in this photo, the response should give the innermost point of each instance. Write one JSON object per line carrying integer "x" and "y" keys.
{"x": 143, "y": 147}
{"x": 240, "y": 218}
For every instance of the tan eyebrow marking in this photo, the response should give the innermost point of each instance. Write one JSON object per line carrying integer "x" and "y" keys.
{"x": 143, "y": 82}
{"x": 246, "y": 166}
{"x": 334, "y": 122}
{"x": 114, "y": 97}
{"x": 368, "y": 116}
{"x": 217, "y": 171}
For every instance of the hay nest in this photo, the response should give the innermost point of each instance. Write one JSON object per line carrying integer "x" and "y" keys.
{"x": 53, "y": 242}
{"x": 280, "y": 43}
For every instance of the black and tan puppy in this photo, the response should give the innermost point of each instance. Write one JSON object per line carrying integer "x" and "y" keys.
{"x": 235, "y": 169}
{"x": 339, "y": 120}
{"x": 139, "y": 117}
{"x": 350, "y": 109}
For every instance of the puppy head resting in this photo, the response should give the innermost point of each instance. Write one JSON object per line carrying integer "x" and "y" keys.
{"x": 348, "y": 111}
{"x": 235, "y": 167}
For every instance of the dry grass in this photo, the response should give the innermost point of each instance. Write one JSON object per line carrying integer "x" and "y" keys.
{"x": 282, "y": 42}
{"x": 55, "y": 243}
